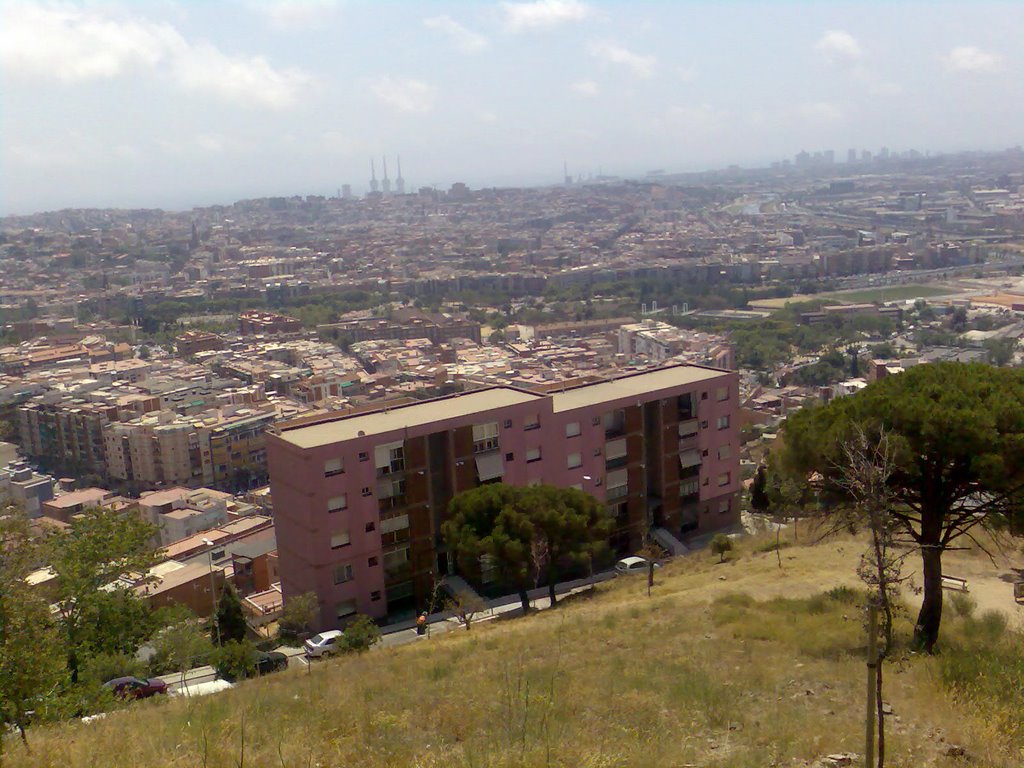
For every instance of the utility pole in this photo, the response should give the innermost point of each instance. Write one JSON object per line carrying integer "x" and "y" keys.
{"x": 213, "y": 593}
{"x": 872, "y": 664}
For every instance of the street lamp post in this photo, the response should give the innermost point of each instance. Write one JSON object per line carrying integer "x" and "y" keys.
{"x": 213, "y": 592}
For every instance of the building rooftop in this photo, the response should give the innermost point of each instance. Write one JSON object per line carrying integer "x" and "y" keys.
{"x": 415, "y": 415}
{"x": 637, "y": 385}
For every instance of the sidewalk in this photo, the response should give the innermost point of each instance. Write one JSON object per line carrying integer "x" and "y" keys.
{"x": 404, "y": 632}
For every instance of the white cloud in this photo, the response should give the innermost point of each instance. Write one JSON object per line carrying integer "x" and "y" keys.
{"x": 543, "y": 14}
{"x": 838, "y": 46}
{"x": 464, "y": 38}
{"x": 70, "y": 45}
{"x": 292, "y": 14}
{"x": 972, "y": 60}
{"x": 244, "y": 80}
{"x": 585, "y": 88}
{"x": 487, "y": 117}
{"x": 76, "y": 45}
{"x": 639, "y": 64}
{"x": 404, "y": 94}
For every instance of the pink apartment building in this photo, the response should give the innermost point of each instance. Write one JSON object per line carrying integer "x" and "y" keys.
{"x": 359, "y": 499}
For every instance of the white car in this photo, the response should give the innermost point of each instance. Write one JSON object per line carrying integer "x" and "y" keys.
{"x": 634, "y": 564}
{"x": 323, "y": 644}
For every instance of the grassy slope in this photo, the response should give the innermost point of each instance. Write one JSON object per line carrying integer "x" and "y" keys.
{"x": 726, "y": 665}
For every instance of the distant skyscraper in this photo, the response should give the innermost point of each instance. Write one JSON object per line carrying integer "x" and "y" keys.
{"x": 565, "y": 173}
{"x": 374, "y": 185}
{"x": 865, "y": 156}
{"x": 385, "y": 183}
{"x": 346, "y": 191}
{"x": 399, "y": 181}
{"x": 829, "y": 156}
{"x": 851, "y": 155}
{"x": 883, "y": 153}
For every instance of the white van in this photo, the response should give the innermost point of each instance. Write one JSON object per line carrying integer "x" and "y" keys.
{"x": 323, "y": 644}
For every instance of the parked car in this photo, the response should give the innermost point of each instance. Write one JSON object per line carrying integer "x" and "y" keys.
{"x": 634, "y": 564}
{"x": 135, "y": 687}
{"x": 271, "y": 662}
{"x": 323, "y": 644}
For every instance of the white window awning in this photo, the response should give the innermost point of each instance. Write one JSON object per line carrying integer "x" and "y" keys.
{"x": 489, "y": 466}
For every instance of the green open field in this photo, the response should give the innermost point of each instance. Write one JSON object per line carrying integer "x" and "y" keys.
{"x": 863, "y": 296}
{"x": 735, "y": 665}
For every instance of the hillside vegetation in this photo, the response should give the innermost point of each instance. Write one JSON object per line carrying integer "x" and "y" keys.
{"x": 738, "y": 664}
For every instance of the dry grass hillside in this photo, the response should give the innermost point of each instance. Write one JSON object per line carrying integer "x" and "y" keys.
{"x": 739, "y": 664}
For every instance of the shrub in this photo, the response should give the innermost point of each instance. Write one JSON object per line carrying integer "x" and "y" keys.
{"x": 235, "y": 660}
{"x": 361, "y": 635}
{"x": 989, "y": 627}
{"x": 963, "y": 605}
{"x": 720, "y": 545}
{"x": 845, "y": 595}
{"x": 106, "y": 666}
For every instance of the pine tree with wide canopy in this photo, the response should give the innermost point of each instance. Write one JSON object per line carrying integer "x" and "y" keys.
{"x": 958, "y": 436}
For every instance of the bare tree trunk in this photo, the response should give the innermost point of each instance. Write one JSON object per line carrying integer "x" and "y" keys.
{"x": 926, "y": 630}
{"x": 551, "y": 591}
{"x": 524, "y": 598}
{"x": 881, "y": 713}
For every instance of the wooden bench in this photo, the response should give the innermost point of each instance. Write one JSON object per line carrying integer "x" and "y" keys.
{"x": 954, "y": 582}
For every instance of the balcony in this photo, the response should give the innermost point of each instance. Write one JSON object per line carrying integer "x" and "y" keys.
{"x": 689, "y": 459}
{"x": 688, "y": 429}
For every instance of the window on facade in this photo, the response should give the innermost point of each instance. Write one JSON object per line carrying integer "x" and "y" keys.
{"x": 333, "y": 467}
{"x": 722, "y": 393}
{"x": 614, "y": 422}
{"x": 703, "y": 395}
{"x": 371, "y": 562}
{"x": 723, "y": 422}
{"x": 572, "y": 429}
{"x": 596, "y": 421}
{"x": 510, "y": 457}
{"x": 340, "y": 539}
{"x": 345, "y": 608}
{"x": 390, "y": 488}
{"x": 723, "y": 507}
{"x": 396, "y": 559}
{"x": 375, "y": 596}
{"x": 724, "y": 452}
{"x": 337, "y": 503}
{"x": 574, "y": 460}
{"x": 485, "y": 437}
{"x": 532, "y": 422}
{"x": 508, "y": 423}
{"x": 364, "y": 456}
{"x": 532, "y": 454}
{"x": 366, "y": 491}
{"x": 689, "y": 487}
{"x": 371, "y": 527}
{"x": 343, "y": 573}
{"x": 723, "y": 479}
{"x": 686, "y": 407}
{"x": 389, "y": 458}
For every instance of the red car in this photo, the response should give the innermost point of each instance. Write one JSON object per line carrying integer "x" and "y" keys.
{"x": 135, "y": 687}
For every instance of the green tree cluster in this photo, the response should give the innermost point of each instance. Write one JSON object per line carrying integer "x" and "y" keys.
{"x": 957, "y": 438}
{"x": 531, "y": 535}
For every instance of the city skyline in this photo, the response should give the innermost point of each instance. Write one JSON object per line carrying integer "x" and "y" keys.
{"x": 178, "y": 104}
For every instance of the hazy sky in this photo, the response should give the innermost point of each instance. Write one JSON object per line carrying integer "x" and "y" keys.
{"x": 172, "y": 103}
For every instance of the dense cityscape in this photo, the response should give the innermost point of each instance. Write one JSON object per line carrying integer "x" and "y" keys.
{"x": 289, "y": 393}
